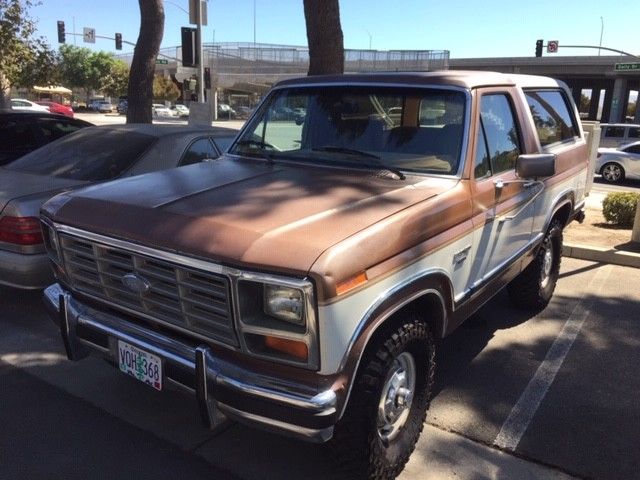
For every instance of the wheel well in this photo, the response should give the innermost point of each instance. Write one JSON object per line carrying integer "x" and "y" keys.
{"x": 430, "y": 306}
{"x": 563, "y": 214}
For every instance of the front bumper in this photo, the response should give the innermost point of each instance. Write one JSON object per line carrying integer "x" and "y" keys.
{"x": 223, "y": 390}
{"x": 25, "y": 271}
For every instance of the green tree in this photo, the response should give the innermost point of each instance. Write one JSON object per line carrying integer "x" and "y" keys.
{"x": 72, "y": 66}
{"x": 98, "y": 67}
{"x": 116, "y": 82}
{"x": 165, "y": 89}
{"x": 20, "y": 50}
{"x": 585, "y": 103}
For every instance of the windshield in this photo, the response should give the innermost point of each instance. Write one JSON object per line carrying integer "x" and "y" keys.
{"x": 408, "y": 129}
{"x": 89, "y": 154}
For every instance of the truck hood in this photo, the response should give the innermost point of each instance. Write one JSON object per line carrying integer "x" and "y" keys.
{"x": 30, "y": 189}
{"x": 243, "y": 212}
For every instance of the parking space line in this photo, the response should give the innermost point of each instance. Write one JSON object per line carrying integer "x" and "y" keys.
{"x": 525, "y": 408}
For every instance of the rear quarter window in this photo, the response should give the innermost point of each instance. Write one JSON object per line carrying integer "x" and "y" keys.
{"x": 553, "y": 118}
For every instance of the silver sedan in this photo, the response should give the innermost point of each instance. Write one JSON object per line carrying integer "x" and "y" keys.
{"x": 90, "y": 155}
{"x": 616, "y": 164}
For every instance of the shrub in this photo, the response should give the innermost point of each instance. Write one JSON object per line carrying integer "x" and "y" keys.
{"x": 619, "y": 208}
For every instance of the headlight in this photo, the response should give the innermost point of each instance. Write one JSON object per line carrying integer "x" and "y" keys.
{"x": 284, "y": 303}
{"x": 277, "y": 319}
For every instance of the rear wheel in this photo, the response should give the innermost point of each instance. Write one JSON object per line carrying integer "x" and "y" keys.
{"x": 389, "y": 403}
{"x": 612, "y": 172}
{"x": 534, "y": 287}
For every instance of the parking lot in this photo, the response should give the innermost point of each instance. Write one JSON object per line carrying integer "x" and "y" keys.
{"x": 552, "y": 395}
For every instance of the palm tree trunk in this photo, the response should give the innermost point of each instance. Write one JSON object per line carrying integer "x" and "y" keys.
{"x": 143, "y": 65}
{"x": 324, "y": 34}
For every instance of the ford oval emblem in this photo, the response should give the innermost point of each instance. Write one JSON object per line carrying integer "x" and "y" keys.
{"x": 136, "y": 283}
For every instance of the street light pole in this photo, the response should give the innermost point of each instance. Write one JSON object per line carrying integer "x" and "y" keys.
{"x": 200, "y": 53}
{"x": 601, "y": 32}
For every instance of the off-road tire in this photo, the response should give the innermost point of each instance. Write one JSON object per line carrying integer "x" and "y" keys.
{"x": 356, "y": 444}
{"x": 533, "y": 288}
{"x": 612, "y": 172}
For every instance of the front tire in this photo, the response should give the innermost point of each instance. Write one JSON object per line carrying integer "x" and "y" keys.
{"x": 612, "y": 172}
{"x": 389, "y": 402}
{"x": 534, "y": 286}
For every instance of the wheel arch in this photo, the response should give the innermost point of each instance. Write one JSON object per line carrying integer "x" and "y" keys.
{"x": 431, "y": 295}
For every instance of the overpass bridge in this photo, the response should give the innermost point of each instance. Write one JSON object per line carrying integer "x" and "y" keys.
{"x": 249, "y": 69}
{"x": 610, "y": 91}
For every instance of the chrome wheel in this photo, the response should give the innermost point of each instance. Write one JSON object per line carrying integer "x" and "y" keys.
{"x": 547, "y": 264}
{"x": 397, "y": 396}
{"x": 612, "y": 172}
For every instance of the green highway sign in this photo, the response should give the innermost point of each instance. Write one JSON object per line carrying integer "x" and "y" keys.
{"x": 627, "y": 67}
{"x": 161, "y": 61}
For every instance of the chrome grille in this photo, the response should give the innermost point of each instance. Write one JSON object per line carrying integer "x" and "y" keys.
{"x": 190, "y": 299}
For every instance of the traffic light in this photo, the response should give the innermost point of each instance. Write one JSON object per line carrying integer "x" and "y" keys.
{"x": 61, "y": 36}
{"x": 118, "y": 41}
{"x": 539, "y": 48}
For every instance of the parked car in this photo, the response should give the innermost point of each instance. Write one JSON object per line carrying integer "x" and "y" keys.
{"x": 93, "y": 154}
{"x": 244, "y": 112}
{"x": 615, "y": 135}
{"x": 160, "y": 110}
{"x": 180, "y": 110}
{"x": 58, "y": 108}
{"x": 27, "y": 105}
{"x": 22, "y": 132}
{"x": 104, "y": 106}
{"x": 225, "y": 111}
{"x": 123, "y": 106}
{"x": 303, "y": 282}
{"x": 616, "y": 164}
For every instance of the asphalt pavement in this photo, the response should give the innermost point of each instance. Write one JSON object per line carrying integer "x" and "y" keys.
{"x": 518, "y": 396}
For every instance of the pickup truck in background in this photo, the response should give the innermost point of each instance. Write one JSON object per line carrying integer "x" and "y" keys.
{"x": 301, "y": 282}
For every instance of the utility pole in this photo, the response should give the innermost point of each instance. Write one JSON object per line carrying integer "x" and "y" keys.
{"x": 200, "y": 53}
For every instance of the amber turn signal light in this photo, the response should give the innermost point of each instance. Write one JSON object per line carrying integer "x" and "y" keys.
{"x": 351, "y": 283}
{"x": 291, "y": 347}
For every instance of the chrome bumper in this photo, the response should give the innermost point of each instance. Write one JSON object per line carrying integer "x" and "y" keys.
{"x": 216, "y": 383}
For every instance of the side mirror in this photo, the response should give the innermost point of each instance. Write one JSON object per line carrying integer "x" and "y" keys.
{"x": 536, "y": 165}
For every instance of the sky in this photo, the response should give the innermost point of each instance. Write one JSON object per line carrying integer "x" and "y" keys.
{"x": 468, "y": 29}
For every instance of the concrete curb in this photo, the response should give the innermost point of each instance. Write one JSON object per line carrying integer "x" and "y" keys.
{"x": 601, "y": 254}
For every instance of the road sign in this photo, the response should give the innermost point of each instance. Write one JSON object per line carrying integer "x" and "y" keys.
{"x": 89, "y": 35}
{"x": 627, "y": 67}
{"x": 161, "y": 61}
{"x": 552, "y": 46}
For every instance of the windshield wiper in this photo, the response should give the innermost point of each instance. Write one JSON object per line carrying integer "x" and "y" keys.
{"x": 360, "y": 153}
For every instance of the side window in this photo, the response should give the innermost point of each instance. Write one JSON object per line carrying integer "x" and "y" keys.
{"x": 633, "y": 149}
{"x": 634, "y": 132}
{"x": 500, "y": 132}
{"x": 17, "y": 136}
{"x": 198, "y": 151}
{"x": 614, "y": 132}
{"x": 481, "y": 166}
{"x": 53, "y": 130}
{"x": 552, "y": 116}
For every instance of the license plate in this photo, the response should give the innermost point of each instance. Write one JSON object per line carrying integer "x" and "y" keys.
{"x": 142, "y": 365}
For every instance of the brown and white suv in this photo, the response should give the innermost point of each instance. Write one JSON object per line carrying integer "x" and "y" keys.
{"x": 301, "y": 283}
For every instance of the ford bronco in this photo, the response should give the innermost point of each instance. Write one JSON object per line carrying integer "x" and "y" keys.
{"x": 301, "y": 282}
